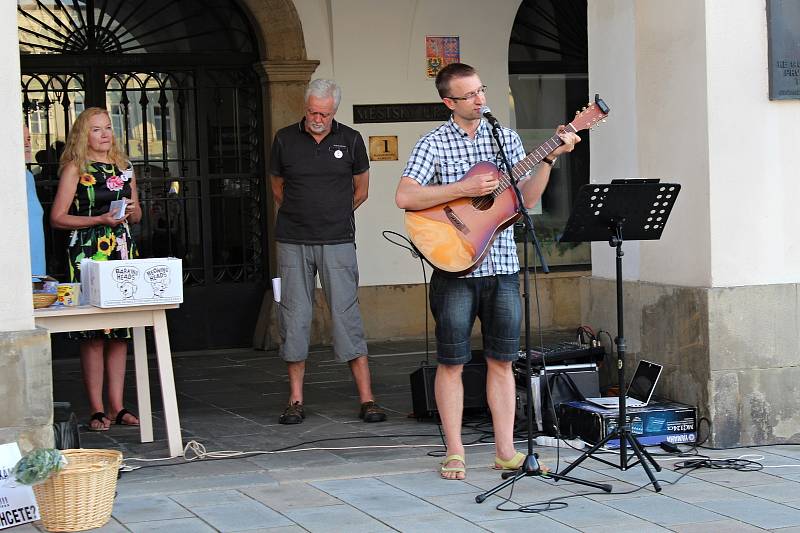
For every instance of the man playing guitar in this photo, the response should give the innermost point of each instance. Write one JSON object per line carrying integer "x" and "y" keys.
{"x": 490, "y": 289}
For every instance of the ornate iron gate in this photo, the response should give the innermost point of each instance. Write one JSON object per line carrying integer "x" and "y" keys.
{"x": 189, "y": 120}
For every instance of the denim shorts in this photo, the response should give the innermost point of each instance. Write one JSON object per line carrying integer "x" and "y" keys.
{"x": 495, "y": 300}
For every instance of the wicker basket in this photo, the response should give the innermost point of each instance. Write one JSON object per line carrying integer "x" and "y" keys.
{"x": 81, "y": 496}
{"x": 44, "y": 299}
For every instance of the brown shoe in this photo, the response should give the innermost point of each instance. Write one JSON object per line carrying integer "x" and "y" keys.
{"x": 372, "y": 412}
{"x": 293, "y": 414}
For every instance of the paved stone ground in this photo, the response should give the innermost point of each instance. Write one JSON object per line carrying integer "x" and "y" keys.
{"x": 230, "y": 400}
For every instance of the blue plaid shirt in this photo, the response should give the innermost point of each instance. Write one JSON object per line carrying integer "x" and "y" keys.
{"x": 445, "y": 154}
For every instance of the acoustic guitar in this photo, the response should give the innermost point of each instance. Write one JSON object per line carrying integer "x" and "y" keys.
{"x": 455, "y": 236}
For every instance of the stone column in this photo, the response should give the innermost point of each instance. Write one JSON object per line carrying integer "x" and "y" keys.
{"x": 716, "y": 298}
{"x": 26, "y": 387}
{"x": 25, "y": 368}
{"x": 283, "y": 85}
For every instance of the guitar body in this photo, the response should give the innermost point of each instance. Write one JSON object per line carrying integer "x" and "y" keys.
{"x": 455, "y": 236}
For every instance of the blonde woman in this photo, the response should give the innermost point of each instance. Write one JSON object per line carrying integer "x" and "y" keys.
{"x": 93, "y": 172}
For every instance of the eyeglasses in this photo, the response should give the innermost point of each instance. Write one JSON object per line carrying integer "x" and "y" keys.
{"x": 469, "y": 96}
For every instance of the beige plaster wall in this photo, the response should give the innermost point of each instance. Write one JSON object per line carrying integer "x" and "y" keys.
{"x": 376, "y": 50}
{"x": 696, "y": 74}
{"x": 649, "y": 61}
{"x": 612, "y": 75}
{"x": 753, "y": 145}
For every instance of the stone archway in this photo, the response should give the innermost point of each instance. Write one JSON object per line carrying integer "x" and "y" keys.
{"x": 285, "y": 72}
{"x": 284, "y": 69}
{"x": 281, "y": 33}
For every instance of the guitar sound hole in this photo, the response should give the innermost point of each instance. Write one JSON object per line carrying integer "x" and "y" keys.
{"x": 483, "y": 203}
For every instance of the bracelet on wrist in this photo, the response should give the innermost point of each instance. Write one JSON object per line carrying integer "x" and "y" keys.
{"x": 550, "y": 162}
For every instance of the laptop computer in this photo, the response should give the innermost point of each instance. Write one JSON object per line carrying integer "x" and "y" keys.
{"x": 639, "y": 391}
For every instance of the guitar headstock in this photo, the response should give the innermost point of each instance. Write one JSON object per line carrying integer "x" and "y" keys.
{"x": 590, "y": 115}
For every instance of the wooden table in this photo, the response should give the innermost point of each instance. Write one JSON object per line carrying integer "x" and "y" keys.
{"x": 86, "y": 317}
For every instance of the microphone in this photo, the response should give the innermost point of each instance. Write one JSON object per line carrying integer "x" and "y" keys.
{"x": 487, "y": 114}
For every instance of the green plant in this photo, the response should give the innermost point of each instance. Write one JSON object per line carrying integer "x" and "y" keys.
{"x": 36, "y": 466}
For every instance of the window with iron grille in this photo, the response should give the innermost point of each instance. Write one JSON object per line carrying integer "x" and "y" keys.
{"x": 185, "y": 103}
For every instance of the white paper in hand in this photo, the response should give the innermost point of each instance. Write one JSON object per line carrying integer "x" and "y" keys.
{"x": 276, "y": 289}
{"x": 117, "y": 208}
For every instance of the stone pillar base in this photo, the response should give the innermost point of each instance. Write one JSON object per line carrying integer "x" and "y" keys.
{"x": 26, "y": 387}
{"x": 732, "y": 352}
{"x": 392, "y": 312}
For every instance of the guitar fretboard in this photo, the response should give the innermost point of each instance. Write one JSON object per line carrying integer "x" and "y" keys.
{"x": 525, "y": 166}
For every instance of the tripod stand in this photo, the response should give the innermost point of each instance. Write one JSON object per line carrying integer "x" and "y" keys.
{"x": 530, "y": 466}
{"x": 601, "y": 212}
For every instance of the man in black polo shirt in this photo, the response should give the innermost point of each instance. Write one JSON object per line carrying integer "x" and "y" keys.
{"x": 320, "y": 174}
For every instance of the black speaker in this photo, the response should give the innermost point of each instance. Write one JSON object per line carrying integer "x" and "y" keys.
{"x": 423, "y": 397}
{"x": 564, "y": 383}
{"x": 65, "y": 427}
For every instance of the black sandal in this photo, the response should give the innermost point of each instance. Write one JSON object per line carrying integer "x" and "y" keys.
{"x": 100, "y": 417}
{"x": 118, "y": 420}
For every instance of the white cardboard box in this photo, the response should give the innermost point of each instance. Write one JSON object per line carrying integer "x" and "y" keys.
{"x": 17, "y": 502}
{"x": 132, "y": 282}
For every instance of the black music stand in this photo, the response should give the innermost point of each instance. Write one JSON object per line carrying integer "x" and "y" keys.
{"x": 632, "y": 209}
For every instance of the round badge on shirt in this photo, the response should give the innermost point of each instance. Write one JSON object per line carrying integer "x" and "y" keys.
{"x": 338, "y": 154}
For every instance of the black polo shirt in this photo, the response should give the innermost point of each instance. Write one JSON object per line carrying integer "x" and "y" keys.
{"x": 317, "y": 183}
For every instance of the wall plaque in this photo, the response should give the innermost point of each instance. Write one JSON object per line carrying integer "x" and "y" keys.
{"x": 783, "y": 28}
{"x": 383, "y": 148}
{"x": 373, "y": 113}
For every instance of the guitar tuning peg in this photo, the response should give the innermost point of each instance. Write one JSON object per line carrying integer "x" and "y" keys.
{"x": 577, "y": 113}
{"x": 584, "y": 109}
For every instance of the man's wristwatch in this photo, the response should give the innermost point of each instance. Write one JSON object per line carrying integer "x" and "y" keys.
{"x": 550, "y": 162}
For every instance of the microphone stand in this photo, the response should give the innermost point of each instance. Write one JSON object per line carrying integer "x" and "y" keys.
{"x": 530, "y": 466}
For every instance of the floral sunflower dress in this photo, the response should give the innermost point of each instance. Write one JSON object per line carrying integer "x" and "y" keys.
{"x": 99, "y": 185}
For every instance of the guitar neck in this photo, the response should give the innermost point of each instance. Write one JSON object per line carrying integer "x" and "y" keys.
{"x": 525, "y": 166}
